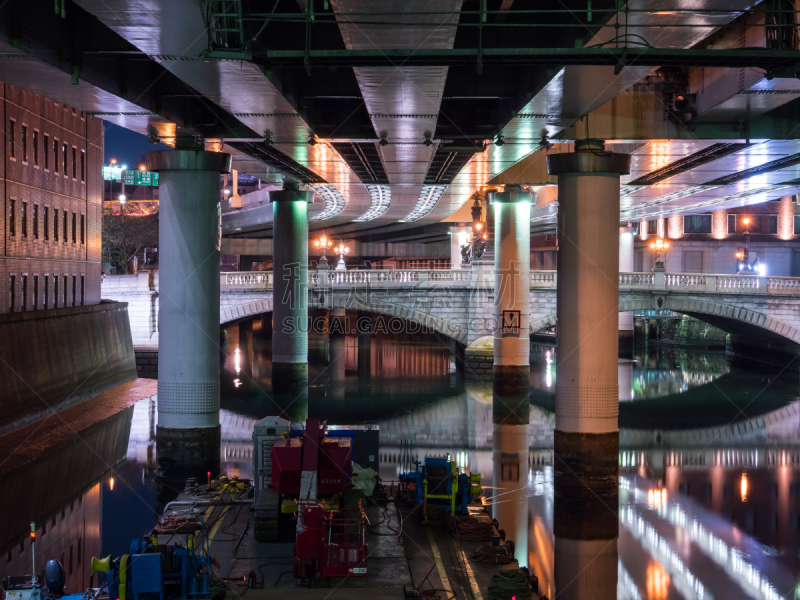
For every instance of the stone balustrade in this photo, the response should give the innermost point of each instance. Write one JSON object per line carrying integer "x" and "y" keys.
{"x": 463, "y": 278}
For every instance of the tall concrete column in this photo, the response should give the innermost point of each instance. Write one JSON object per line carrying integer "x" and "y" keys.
{"x": 337, "y": 321}
{"x": 188, "y": 316}
{"x": 290, "y": 285}
{"x": 512, "y": 274}
{"x": 626, "y": 266}
{"x": 586, "y": 440}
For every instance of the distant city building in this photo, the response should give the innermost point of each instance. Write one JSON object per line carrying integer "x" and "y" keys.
{"x": 709, "y": 243}
{"x": 52, "y": 204}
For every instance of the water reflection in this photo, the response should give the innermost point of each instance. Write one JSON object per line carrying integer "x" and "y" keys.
{"x": 708, "y": 498}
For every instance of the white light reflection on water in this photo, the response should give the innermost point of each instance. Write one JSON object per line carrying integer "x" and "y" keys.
{"x": 731, "y": 559}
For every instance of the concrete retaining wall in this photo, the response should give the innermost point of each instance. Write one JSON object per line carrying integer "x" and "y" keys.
{"x": 53, "y": 359}
{"x": 141, "y": 293}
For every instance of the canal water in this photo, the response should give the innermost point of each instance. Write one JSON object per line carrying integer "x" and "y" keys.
{"x": 709, "y": 450}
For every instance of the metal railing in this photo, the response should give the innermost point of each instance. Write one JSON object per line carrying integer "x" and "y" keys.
{"x": 539, "y": 280}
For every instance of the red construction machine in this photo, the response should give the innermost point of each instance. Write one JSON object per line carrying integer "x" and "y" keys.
{"x": 332, "y": 543}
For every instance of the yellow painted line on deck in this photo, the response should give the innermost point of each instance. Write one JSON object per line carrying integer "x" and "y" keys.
{"x": 439, "y": 565}
{"x": 218, "y": 524}
{"x": 476, "y": 592}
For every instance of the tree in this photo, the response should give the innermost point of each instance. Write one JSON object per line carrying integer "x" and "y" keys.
{"x": 126, "y": 235}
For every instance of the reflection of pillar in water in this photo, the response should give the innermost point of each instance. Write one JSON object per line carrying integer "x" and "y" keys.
{"x": 184, "y": 453}
{"x": 510, "y": 481}
{"x": 336, "y": 368}
{"x": 291, "y": 404}
{"x": 586, "y": 568}
{"x": 244, "y": 368}
{"x": 364, "y": 323}
{"x": 625, "y": 376}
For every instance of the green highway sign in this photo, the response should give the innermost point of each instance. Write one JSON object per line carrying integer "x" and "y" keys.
{"x": 137, "y": 177}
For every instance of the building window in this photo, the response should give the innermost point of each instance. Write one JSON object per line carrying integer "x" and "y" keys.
{"x": 23, "y": 217}
{"x": 697, "y": 224}
{"x": 35, "y": 148}
{"x": 24, "y": 304}
{"x": 83, "y": 165}
{"x": 64, "y": 157}
{"x": 652, "y": 227}
{"x": 46, "y": 291}
{"x": 74, "y": 289}
{"x": 74, "y": 227}
{"x": 35, "y": 292}
{"x": 47, "y": 222}
{"x": 36, "y": 221}
{"x": 65, "y": 220}
{"x": 12, "y": 139}
{"x": 74, "y": 162}
{"x": 55, "y": 155}
{"x": 83, "y": 229}
{"x": 796, "y": 224}
{"x": 12, "y": 221}
{"x": 66, "y": 291}
{"x": 55, "y": 224}
{"x": 12, "y": 293}
{"x": 46, "y": 150}
{"x": 55, "y": 291}
{"x": 731, "y": 223}
{"x": 24, "y": 132}
{"x": 82, "y": 290}
{"x": 773, "y": 223}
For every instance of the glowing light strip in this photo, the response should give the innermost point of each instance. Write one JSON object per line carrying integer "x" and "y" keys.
{"x": 428, "y": 198}
{"x": 380, "y": 197}
{"x": 334, "y": 201}
{"x": 626, "y": 587}
{"x": 729, "y": 558}
{"x": 686, "y": 583}
{"x": 669, "y": 197}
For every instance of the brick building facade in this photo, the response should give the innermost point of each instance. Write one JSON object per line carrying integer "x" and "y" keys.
{"x": 52, "y": 204}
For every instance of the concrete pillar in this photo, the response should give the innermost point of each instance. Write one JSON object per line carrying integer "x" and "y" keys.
{"x": 458, "y": 237}
{"x": 509, "y": 479}
{"x": 337, "y": 321}
{"x": 364, "y": 326}
{"x": 626, "y": 266}
{"x": 290, "y": 285}
{"x": 512, "y": 274}
{"x": 336, "y": 367}
{"x": 188, "y": 316}
{"x": 586, "y": 437}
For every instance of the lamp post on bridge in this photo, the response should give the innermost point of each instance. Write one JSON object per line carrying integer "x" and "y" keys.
{"x": 659, "y": 245}
{"x": 342, "y": 251}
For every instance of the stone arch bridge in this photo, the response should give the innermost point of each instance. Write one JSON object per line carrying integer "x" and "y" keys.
{"x": 459, "y": 303}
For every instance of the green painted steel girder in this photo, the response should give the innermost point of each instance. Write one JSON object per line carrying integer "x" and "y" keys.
{"x": 783, "y": 62}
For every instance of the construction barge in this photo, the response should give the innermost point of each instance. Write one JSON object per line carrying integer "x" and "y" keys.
{"x": 312, "y": 523}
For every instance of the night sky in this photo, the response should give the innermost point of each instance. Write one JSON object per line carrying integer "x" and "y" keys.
{"x": 126, "y": 146}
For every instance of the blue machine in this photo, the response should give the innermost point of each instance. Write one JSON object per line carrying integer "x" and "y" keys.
{"x": 438, "y": 481}
{"x": 171, "y": 572}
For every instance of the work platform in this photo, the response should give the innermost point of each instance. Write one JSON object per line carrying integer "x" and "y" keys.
{"x": 402, "y": 553}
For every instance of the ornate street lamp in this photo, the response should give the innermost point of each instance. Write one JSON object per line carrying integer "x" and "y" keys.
{"x": 342, "y": 251}
{"x": 323, "y": 243}
{"x": 658, "y": 245}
